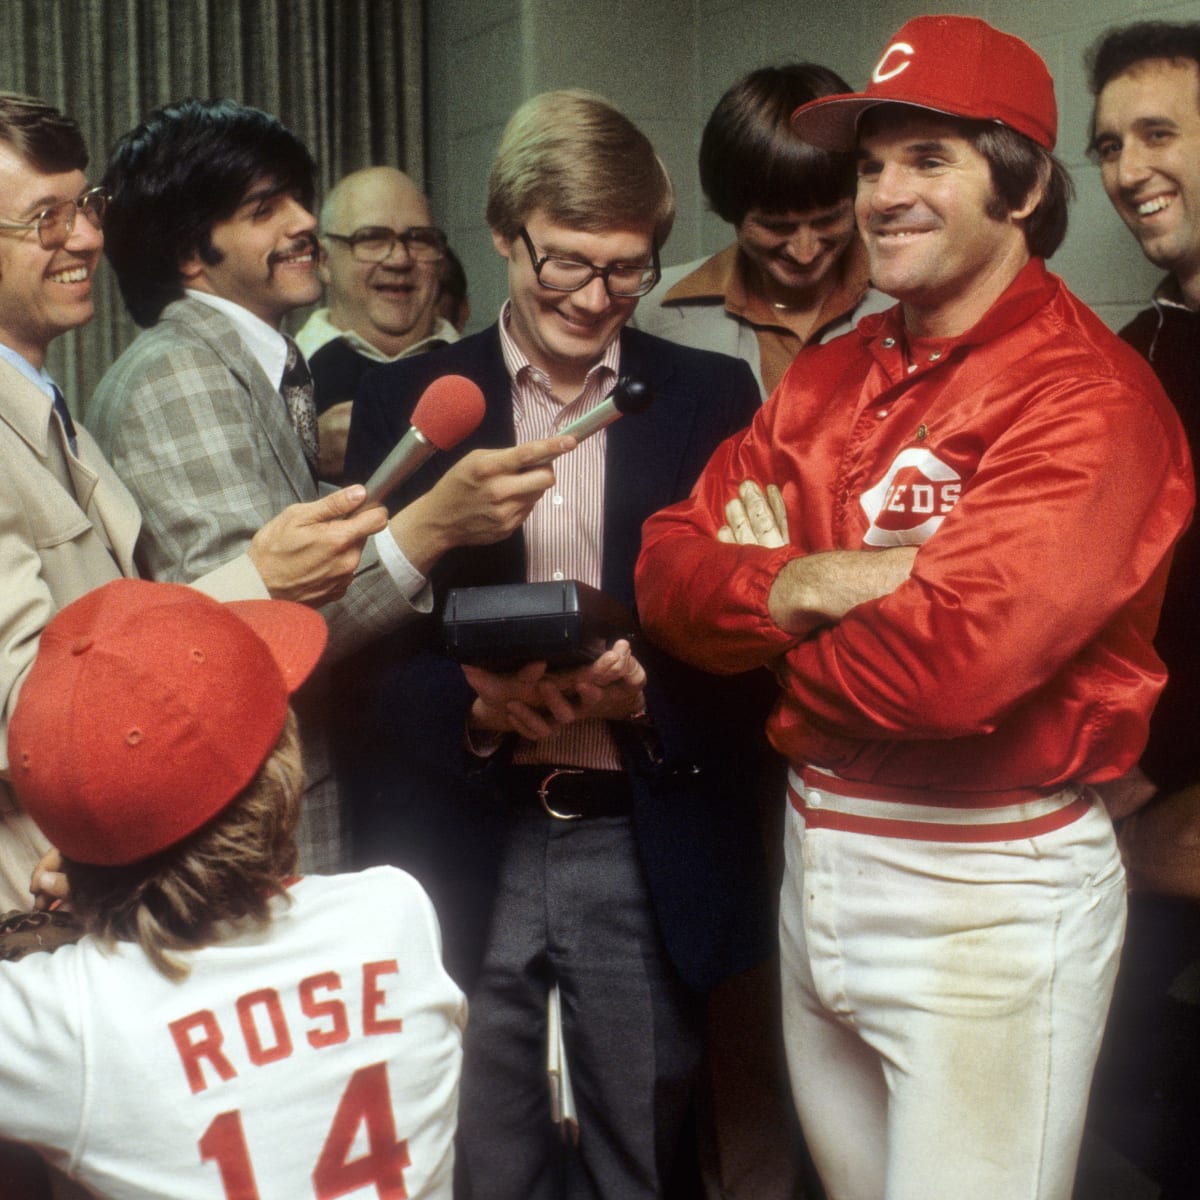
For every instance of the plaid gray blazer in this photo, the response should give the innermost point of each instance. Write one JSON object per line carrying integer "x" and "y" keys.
{"x": 201, "y": 437}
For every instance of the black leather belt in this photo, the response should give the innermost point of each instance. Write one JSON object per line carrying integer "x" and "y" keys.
{"x": 572, "y": 793}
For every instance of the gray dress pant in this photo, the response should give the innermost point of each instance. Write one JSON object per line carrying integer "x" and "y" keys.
{"x": 572, "y": 907}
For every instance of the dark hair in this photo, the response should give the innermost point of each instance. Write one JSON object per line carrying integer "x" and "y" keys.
{"x": 1017, "y": 165}
{"x": 41, "y": 135}
{"x": 749, "y": 156}
{"x": 1119, "y": 49}
{"x": 185, "y": 168}
{"x": 227, "y": 871}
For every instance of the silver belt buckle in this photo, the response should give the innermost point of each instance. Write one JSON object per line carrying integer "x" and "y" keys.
{"x": 544, "y": 793}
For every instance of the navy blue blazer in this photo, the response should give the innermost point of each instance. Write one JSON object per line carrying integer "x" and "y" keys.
{"x": 422, "y": 802}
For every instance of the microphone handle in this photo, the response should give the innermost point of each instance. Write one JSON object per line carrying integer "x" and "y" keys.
{"x": 605, "y": 413}
{"x": 410, "y": 453}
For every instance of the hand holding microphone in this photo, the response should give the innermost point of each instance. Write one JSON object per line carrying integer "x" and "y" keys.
{"x": 487, "y": 493}
{"x": 482, "y": 498}
{"x": 629, "y": 395}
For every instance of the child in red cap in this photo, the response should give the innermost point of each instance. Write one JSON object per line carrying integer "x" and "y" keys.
{"x": 222, "y": 1028}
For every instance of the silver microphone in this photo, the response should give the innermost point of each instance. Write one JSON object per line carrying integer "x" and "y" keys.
{"x": 628, "y": 396}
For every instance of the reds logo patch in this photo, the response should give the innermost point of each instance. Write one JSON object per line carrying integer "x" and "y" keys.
{"x": 911, "y": 500}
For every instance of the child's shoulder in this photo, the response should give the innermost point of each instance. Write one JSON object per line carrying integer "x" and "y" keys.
{"x": 383, "y": 884}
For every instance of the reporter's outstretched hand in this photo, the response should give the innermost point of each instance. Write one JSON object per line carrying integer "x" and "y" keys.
{"x": 481, "y": 499}
{"x": 309, "y": 552}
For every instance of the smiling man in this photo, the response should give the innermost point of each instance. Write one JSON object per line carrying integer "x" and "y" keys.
{"x": 1146, "y": 138}
{"x": 797, "y": 272}
{"x": 576, "y": 828}
{"x": 980, "y": 492}
{"x": 67, "y": 523}
{"x": 208, "y": 416}
{"x": 380, "y": 259}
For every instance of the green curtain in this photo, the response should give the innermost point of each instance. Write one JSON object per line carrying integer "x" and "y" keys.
{"x": 344, "y": 75}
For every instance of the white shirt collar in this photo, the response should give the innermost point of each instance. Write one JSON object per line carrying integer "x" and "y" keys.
{"x": 1169, "y": 295}
{"x": 319, "y": 331}
{"x": 266, "y": 345}
{"x": 515, "y": 360}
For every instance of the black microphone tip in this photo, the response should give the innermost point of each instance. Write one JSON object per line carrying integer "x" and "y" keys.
{"x": 631, "y": 395}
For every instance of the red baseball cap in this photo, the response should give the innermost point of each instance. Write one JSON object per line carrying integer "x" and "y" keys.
{"x": 148, "y": 708}
{"x": 960, "y": 66}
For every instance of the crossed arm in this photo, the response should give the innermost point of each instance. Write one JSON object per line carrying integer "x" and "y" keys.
{"x": 817, "y": 589}
{"x": 808, "y": 592}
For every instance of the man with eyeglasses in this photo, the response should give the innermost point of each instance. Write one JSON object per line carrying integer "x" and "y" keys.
{"x": 48, "y": 256}
{"x": 67, "y": 523}
{"x": 380, "y": 258}
{"x": 584, "y": 817}
{"x": 208, "y": 415}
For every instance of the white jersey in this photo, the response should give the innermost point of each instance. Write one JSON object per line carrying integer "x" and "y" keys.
{"x": 317, "y": 1057}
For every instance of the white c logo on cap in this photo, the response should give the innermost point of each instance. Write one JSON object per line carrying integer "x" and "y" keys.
{"x": 882, "y": 76}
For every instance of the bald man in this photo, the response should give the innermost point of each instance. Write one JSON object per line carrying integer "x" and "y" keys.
{"x": 380, "y": 257}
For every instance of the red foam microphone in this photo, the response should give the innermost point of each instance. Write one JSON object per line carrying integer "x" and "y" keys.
{"x": 449, "y": 409}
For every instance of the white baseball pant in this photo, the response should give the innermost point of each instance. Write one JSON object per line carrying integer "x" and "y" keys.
{"x": 944, "y": 999}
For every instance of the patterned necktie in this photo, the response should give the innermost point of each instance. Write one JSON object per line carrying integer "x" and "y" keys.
{"x": 64, "y": 415}
{"x": 297, "y": 389}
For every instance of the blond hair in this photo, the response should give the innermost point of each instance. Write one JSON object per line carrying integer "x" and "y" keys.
{"x": 227, "y": 870}
{"x": 573, "y": 156}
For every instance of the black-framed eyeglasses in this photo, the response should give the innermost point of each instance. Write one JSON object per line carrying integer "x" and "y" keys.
{"x": 422, "y": 243}
{"x": 54, "y": 225}
{"x": 571, "y": 274}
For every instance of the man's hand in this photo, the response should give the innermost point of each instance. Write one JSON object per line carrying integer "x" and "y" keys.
{"x": 48, "y": 883}
{"x": 1124, "y": 796}
{"x": 820, "y": 589}
{"x": 536, "y": 703}
{"x": 755, "y": 518}
{"x": 1160, "y": 845}
{"x": 309, "y": 553}
{"x": 333, "y": 429}
{"x": 480, "y": 500}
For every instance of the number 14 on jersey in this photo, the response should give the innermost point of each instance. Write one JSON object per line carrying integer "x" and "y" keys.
{"x": 366, "y": 1103}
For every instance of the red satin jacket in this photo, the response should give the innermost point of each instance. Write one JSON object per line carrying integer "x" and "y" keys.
{"x": 1038, "y": 465}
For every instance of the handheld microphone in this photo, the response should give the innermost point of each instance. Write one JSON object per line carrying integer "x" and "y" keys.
{"x": 449, "y": 409}
{"x": 628, "y": 396}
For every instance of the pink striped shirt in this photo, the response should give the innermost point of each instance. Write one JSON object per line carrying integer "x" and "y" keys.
{"x": 564, "y": 534}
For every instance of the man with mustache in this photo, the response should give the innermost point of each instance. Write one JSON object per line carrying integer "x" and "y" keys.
{"x": 980, "y": 492}
{"x": 209, "y": 416}
{"x": 67, "y": 523}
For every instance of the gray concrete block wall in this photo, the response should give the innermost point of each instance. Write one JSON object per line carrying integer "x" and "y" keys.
{"x": 666, "y": 62}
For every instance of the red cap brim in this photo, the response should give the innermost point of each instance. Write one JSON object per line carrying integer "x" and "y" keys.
{"x": 294, "y": 634}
